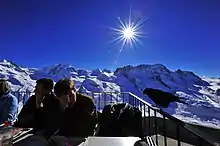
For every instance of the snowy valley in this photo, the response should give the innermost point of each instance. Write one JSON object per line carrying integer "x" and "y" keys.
{"x": 202, "y": 93}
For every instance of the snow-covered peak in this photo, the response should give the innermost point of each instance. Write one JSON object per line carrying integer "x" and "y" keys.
{"x": 155, "y": 68}
{"x": 96, "y": 72}
{"x": 60, "y": 70}
{"x": 5, "y": 64}
{"x": 106, "y": 70}
{"x": 160, "y": 72}
{"x": 9, "y": 64}
{"x": 4, "y": 60}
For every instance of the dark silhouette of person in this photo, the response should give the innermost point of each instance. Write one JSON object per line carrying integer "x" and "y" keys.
{"x": 79, "y": 111}
{"x": 41, "y": 110}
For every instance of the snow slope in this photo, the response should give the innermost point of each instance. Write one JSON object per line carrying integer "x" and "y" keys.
{"x": 202, "y": 93}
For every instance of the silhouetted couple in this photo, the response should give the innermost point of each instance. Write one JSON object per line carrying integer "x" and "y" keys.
{"x": 67, "y": 113}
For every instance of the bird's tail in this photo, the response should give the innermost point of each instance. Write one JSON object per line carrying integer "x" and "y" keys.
{"x": 181, "y": 101}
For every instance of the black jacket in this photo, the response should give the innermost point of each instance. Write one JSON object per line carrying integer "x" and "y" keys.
{"x": 80, "y": 119}
{"x": 43, "y": 118}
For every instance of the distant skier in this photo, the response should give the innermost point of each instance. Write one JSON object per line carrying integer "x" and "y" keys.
{"x": 161, "y": 98}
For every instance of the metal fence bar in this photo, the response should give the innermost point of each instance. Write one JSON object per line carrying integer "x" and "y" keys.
{"x": 99, "y": 103}
{"x": 164, "y": 131}
{"x": 178, "y": 134}
{"x": 155, "y": 126}
{"x": 149, "y": 121}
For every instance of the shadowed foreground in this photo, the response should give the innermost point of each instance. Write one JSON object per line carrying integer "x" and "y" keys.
{"x": 170, "y": 131}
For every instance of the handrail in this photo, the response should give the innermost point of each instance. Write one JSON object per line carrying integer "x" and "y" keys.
{"x": 183, "y": 124}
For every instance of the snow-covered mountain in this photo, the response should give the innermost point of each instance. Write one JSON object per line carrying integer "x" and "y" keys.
{"x": 202, "y": 93}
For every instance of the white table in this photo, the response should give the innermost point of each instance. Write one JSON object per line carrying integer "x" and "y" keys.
{"x": 95, "y": 141}
{"x": 111, "y": 141}
{"x": 74, "y": 141}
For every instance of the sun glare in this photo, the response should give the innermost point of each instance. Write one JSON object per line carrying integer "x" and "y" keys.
{"x": 128, "y": 32}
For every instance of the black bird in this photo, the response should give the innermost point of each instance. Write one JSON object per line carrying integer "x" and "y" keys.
{"x": 161, "y": 98}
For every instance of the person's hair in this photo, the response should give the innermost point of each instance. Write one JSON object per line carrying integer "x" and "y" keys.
{"x": 4, "y": 86}
{"x": 46, "y": 83}
{"x": 63, "y": 86}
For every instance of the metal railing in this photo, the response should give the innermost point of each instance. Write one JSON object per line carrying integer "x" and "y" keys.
{"x": 155, "y": 122}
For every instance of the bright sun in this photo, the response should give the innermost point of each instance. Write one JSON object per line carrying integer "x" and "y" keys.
{"x": 128, "y": 32}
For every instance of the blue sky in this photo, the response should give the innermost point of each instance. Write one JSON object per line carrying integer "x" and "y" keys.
{"x": 181, "y": 34}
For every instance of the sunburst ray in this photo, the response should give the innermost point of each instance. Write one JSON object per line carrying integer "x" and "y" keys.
{"x": 128, "y": 32}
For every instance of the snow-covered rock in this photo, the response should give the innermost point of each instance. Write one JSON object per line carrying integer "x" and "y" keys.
{"x": 105, "y": 77}
{"x": 92, "y": 84}
{"x": 96, "y": 72}
{"x": 60, "y": 70}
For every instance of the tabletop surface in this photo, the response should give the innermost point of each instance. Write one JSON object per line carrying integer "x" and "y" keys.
{"x": 73, "y": 141}
{"x": 111, "y": 141}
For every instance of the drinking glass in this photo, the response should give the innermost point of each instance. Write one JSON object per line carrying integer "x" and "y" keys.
{"x": 1, "y": 139}
{"x": 7, "y": 137}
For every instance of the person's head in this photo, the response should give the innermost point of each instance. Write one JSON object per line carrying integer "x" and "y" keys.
{"x": 44, "y": 86}
{"x": 4, "y": 86}
{"x": 66, "y": 90}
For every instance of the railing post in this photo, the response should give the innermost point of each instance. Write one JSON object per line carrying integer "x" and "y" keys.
{"x": 145, "y": 125}
{"x": 149, "y": 121}
{"x": 135, "y": 102}
{"x": 165, "y": 130}
{"x": 23, "y": 98}
{"x": 99, "y": 102}
{"x": 111, "y": 98}
{"x": 178, "y": 134}
{"x": 155, "y": 123}
{"x": 129, "y": 99}
{"x": 104, "y": 99}
{"x": 123, "y": 97}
